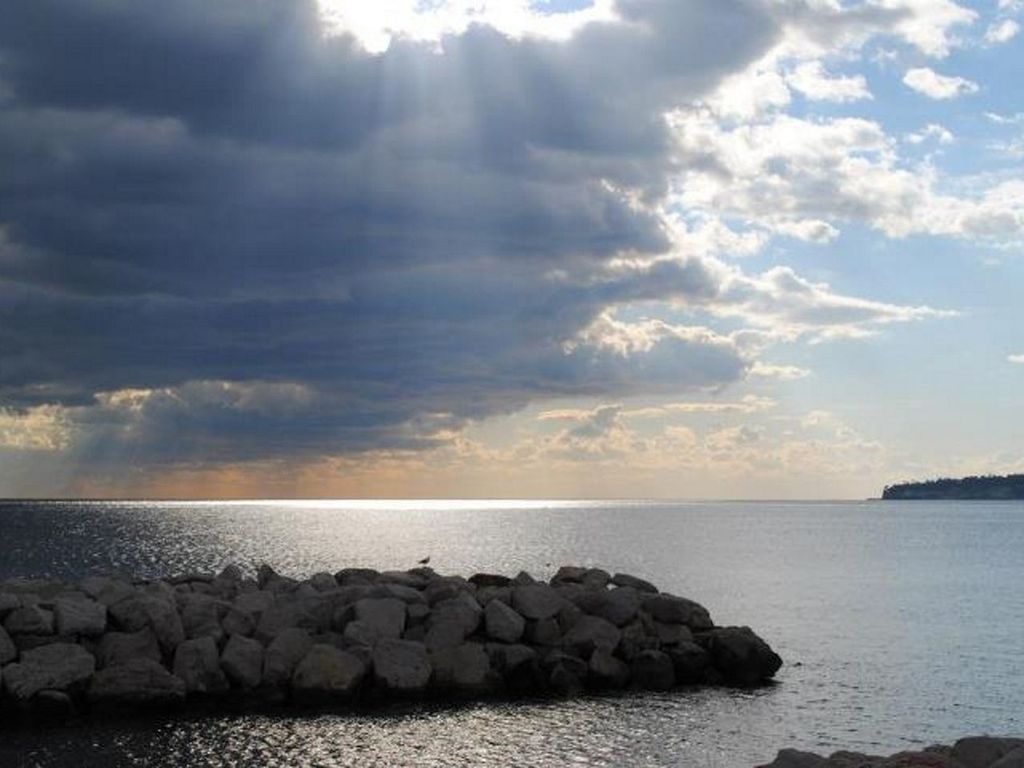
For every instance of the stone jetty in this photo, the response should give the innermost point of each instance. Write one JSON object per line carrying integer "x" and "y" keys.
{"x": 972, "y": 752}
{"x": 355, "y": 638}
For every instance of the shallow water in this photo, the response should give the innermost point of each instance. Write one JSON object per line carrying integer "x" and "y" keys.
{"x": 900, "y": 623}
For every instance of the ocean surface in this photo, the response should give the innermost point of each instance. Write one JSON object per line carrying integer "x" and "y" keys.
{"x": 901, "y": 624}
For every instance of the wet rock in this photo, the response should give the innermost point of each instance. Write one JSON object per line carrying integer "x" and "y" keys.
{"x": 122, "y": 647}
{"x": 640, "y": 585}
{"x": 536, "y": 601}
{"x": 402, "y": 666}
{"x": 606, "y": 671}
{"x": 385, "y": 617}
{"x": 677, "y": 610}
{"x": 197, "y": 663}
{"x": 242, "y": 661}
{"x": 283, "y": 655}
{"x": 743, "y": 657}
{"x": 690, "y": 662}
{"x": 138, "y": 682}
{"x": 29, "y": 620}
{"x": 201, "y": 616}
{"x": 81, "y": 617}
{"x": 58, "y": 667}
{"x": 653, "y": 671}
{"x": 327, "y": 672}
{"x": 466, "y": 668}
{"x": 502, "y": 622}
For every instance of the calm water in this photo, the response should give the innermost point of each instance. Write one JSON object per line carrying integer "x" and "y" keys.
{"x": 899, "y": 623}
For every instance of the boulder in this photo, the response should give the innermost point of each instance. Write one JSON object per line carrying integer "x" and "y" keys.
{"x": 349, "y": 576}
{"x": 512, "y": 660}
{"x": 463, "y": 609}
{"x": 536, "y": 601}
{"x": 479, "y": 580}
{"x": 284, "y": 653}
{"x": 360, "y": 633}
{"x": 79, "y": 617}
{"x": 741, "y": 656}
{"x": 385, "y": 617}
{"x": 201, "y": 616}
{"x": 619, "y": 605}
{"x": 150, "y": 610}
{"x": 8, "y": 651}
{"x": 566, "y": 674}
{"x": 569, "y": 573}
{"x": 653, "y": 671}
{"x": 52, "y": 706}
{"x": 544, "y": 632}
{"x": 677, "y": 610}
{"x": 791, "y": 758}
{"x": 983, "y": 751}
{"x": 29, "y": 620}
{"x": 402, "y": 666}
{"x": 138, "y": 682}
{"x": 1014, "y": 759}
{"x": 327, "y": 672}
{"x": 407, "y": 595}
{"x": 237, "y": 622}
{"x": 197, "y": 663}
{"x": 466, "y": 668}
{"x": 106, "y": 590}
{"x": 254, "y": 603}
{"x": 116, "y": 648}
{"x": 242, "y": 661}
{"x": 322, "y": 582}
{"x": 8, "y": 602}
{"x": 58, "y": 667}
{"x": 590, "y": 633}
{"x": 690, "y": 662}
{"x": 672, "y": 634}
{"x": 503, "y": 623}
{"x": 606, "y": 671}
{"x": 596, "y": 578}
{"x": 635, "y": 639}
{"x": 640, "y": 585}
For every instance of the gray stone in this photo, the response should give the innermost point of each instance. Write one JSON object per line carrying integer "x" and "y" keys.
{"x": 640, "y": 585}
{"x": 606, "y": 671}
{"x": 635, "y": 639}
{"x": 690, "y": 662}
{"x": 536, "y": 601}
{"x": 677, "y": 610}
{"x": 327, "y": 672}
{"x": 402, "y": 666}
{"x": 322, "y": 582}
{"x": 569, "y": 573}
{"x": 596, "y": 578}
{"x": 386, "y": 616}
{"x": 81, "y": 617}
{"x": 983, "y": 751}
{"x": 462, "y": 609}
{"x": 742, "y": 656}
{"x": 523, "y": 579}
{"x": 121, "y": 647}
{"x": 237, "y": 622}
{"x": 1014, "y": 759}
{"x": 485, "y": 580}
{"x": 653, "y": 671}
{"x": 543, "y": 632}
{"x": 201, "y": 616}
{"x": 59, "y": 666}
{"x": 8, "y": 651}
{"x": 361, "y": 633}
{"x": 151, "y": 610}
{"x": 106, "y": 590}
{"x": 29, "y": 620}
{"x": 791, "y": 758}
{"x": 510, "y": 659}
{"x": 137, "y": 682}
{"x": 407, "y": 595}
{"x": 590, "y": 633}
{"x": 284, "y": 653}
{"x": 484, "y": 595}
{"x": 618, "y": 605}
{"x": 502, "y": 622}
{"x": 465, "y": 668}
{"x": 197, "y": 663}
{"x": 254, "y": 603}
{"x": 8, "y": 602}
{"x": 242, "y": 661}
{"x": 232, "y": 573}
{"x": 347, "y": 576}
{"x": 672, "y": 634}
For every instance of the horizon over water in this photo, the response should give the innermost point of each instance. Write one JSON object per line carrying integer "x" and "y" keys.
{"x": 899, "y": 622}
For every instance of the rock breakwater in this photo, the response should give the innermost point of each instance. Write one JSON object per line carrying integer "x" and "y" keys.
{"x": 353, "y": 638}
{"x": 971, "y": 752}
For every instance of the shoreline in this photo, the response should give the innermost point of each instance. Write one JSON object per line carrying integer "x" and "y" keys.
{"x": 968, "y": 752}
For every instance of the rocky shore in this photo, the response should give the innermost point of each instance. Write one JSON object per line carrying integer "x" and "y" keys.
{"x": 973, "y": 752}
{"x": 354, "y": 638}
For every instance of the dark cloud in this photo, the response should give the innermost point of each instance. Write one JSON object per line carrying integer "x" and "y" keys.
{"x": 199, "y": 192}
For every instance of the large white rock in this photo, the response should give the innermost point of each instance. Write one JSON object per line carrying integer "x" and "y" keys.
{"x": 402, "y": 666}
{"x": 326, "y": 671}
{"x": 197, "y": 663}
{"x": 57, "y": 666}
{"x": 79, "y": 617}
{"x": 502, "y": 622}
{"x": 137, "y": 682}
{"x": 242, "y": 661}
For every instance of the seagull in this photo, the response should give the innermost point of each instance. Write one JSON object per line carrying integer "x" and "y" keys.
{"x": 425, "y": 560}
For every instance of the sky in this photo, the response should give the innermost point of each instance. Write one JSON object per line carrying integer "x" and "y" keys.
{"x": 471, "y": 248}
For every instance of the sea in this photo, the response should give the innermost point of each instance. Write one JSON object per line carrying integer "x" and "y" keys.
{"x": 901, "y": 624}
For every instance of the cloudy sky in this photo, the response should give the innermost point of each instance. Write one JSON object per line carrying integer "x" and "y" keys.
{"x": 682, "y": 248}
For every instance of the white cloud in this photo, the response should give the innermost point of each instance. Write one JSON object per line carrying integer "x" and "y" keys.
{"x": 931, "y": 131}
{"x": 1017, "y": 359}
{"x": 43, "y": 428}
{"x": 1002, "y": 32}
{"x": 811, "y": 79}
{"x": 930, "y": 83}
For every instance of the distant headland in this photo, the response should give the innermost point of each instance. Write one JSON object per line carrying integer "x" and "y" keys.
{"x": 989, "y": 487}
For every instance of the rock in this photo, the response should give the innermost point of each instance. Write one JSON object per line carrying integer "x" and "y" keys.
{"x": 677, "y": 610}
{"x": 401, "y": 666}
{"x": 201, "y": 616}
{"x": 1014, "y": 759}
{"x": 8, "y": 651}
{"x": 385, "y": 617}
{"x": 52, "y": 706}
{"x": 81, "y": 617}
{"x": 569, "y": 573}
{"x": 59, "y": 667}
{"x": 791, "y": 758}
{"x": 590, "y": 633}
{"x": 484, "y": 595}
{"x": 29, "y": 620}
{"x": 511, "y": 660}
{"x": 543, "y": 632}
{"x": 462, "y": 609}
{"x": 479, "y": 580}
{"x": 567, "y": 617}
{"x": 361, "y": 633}
{"x": 138, "y": 682}
{"x": 327, "y": 672}
{"x": 236, "y": 622}
{"x": 672, "y": 634}
{"x": 466, "y": 668}
{"x": 283, "y": 655}
{"x": 322, "y": 582}
{"x": 983, "y": 751}
{"x": 8, "y": 603}
{"x": 690, "y": 662}
{"x": 503, "y": 623}
{"x": 567, "y": 674}
{"x": 634, "y": 640}
{"x": 640, "y": 585}
{"x": 653, "y": 671}
{"x": 619, "y": 605}
{"x": 254, "y": 603}
{"x": 347, "y": 576}
{"x": 606, "y": 671}
{"x": 743, "y": 657}
{"x": 150, "y": 610}
{"x": 536, "y": 601}
{"x": 242, "y": 661}
{"x": 122, "y": 647}
{"x": 232, "y": 573}
{"x": 523, "y": 579}
{"x": 596, "y": 578}
{"x": 106, "y": 590}
{"x": 197, "y": 663}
